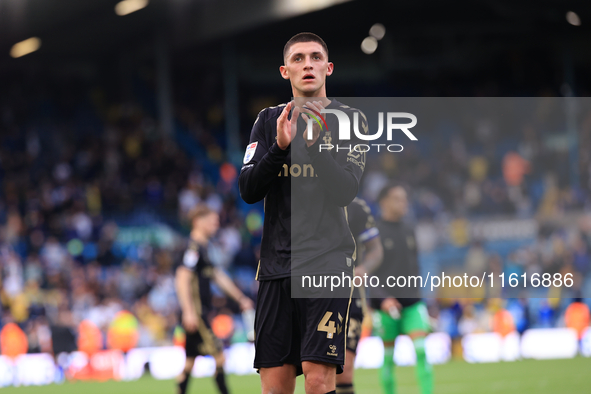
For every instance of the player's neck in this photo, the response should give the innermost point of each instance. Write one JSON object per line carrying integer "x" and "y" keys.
{"x": 392, "y": 218}
{"x": 200, "y": 237}
{"x": 320, "y": 93}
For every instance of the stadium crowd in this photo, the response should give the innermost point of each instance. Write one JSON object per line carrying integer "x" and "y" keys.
{"x": 75, "y": 174}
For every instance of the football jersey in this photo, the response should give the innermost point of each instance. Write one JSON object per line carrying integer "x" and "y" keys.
{"x": 305, "y": 193}
{"x": 195, "y": 259}
{"x": 400, "y": 258}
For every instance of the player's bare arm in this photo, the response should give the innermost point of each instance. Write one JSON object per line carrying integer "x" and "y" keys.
{"x": 374, "y": 253}
{"x": 228, "y": 287}
{"x": 183, "y": 288}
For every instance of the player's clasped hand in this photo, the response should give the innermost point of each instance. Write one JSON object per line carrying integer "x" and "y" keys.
{"x": 287, "y": 128}
{"x": 316, "y": 106}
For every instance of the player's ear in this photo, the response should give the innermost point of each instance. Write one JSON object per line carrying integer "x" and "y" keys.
{"x": 283, "y": 71}
{"x": 329, "y": 69}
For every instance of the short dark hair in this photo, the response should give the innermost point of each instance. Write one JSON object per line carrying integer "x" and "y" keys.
{"x": 386, "y": 189}
{"x": 304, "y": 37}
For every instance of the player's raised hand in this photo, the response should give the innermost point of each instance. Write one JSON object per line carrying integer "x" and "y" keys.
{"x": 312, "y": 107}
{"x": 286, "y": 129}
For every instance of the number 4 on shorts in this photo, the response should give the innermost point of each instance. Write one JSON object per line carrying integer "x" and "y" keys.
{"x": 327, "y": 326}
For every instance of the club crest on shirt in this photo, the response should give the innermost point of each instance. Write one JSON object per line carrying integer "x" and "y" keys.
{"x": 250, "y": 150}
{"x": 327, "y": 138}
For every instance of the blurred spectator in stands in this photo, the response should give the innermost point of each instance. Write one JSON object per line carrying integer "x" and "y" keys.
{"x": 476, "y": 259}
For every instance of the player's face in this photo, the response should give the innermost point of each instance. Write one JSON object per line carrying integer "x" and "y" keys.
{"x": 306, "y": 66}
{"x": 209, "y": 223}
{"x": 395, "y": 204}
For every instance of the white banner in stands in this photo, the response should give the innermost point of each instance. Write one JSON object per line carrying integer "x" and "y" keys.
{"x": 6, "y": 371}
{"x": 510, "y": 349}
{"x": 239, "y": 359}
{"x": 547, "y": 343}
{"x": 205, "y": 366}
{"x": 438, "y": 348}
{"x": 34, "y": 369}
{"x": 167, "y": 362}
{"x": 490, "y": 347}
{"x": 370, "y": 352}
{"x": 482, "y": 348}
{"x": 27, "y": 370}
{"x": 586, "y": 343}
{"x": 135, "y": 362}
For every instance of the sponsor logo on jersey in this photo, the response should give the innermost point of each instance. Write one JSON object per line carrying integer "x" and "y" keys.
{"x": 333, "y": 351}
{"x": 296, "y": 170}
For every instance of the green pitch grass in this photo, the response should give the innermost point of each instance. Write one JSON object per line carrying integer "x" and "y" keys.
{"x": 520, "y": 377}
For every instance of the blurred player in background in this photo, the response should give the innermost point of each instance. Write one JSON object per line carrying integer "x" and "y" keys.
{"x": 370, "y": 253}
{"x": 300, "y": 335}
{"x": 406, "y": 315}
{"x": 193, "y": 279}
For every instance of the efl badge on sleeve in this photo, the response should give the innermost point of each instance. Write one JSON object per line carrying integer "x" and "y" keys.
{"x": 249, "y": 154}
{"x": 190, "y": 258}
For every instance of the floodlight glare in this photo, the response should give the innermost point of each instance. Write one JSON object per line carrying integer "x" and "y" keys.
{"x": 573, "y": 18}
{"x": 126, "y": 7}
{"x": 378, "y": 31}
{"x": 25, "y": 47}
{"x": 369, "y": 45}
